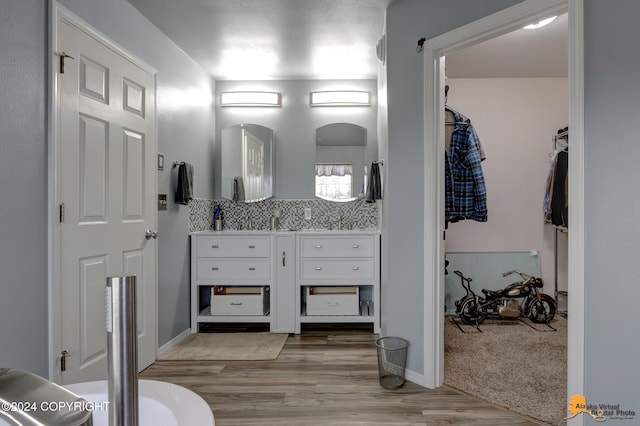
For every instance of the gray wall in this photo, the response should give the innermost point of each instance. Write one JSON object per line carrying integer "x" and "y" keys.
{"x": 403, "y": 245}
{"x": 612, "y": 203}
{"x": 295, "y": 127}
{"x": 23, "y": 193}
{"x": 185, "y": 133}
{"x": 612, "y": 153}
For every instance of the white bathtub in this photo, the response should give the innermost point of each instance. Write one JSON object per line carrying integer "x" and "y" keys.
{"x": 160, "y": 403}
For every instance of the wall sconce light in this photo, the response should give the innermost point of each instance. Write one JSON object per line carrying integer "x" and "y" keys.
{"x": 340, "y": 98}
{"x": 251, "y": 99}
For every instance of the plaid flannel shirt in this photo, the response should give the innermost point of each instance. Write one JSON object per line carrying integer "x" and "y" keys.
{"x": 466, "y": 193}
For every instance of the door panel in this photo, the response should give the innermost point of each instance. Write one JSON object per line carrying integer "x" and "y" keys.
{"x": 134, "y": 176}
{"x": 93, "y": 346}
{"x": 92, "y": 169}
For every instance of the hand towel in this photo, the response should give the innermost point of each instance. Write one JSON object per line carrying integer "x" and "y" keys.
{"x": 184, "y": 187}
{"x": 374, "y": 184}
{"x": 238, "y": 189}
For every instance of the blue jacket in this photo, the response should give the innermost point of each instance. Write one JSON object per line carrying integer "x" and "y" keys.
{"x": 465, "y": 190}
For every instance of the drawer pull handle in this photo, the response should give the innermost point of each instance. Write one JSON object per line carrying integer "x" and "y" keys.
{"x": 356, "y": 268}
{"x": 252, "y": 268}
{"x": 356, "y": 246}
{"x": 319, "y": 246}
{"x": 214, "y": 246}
{"x": 318, "y": 268}
{"x": 252, "y": 246}
{"x": 215, "y": 268}
{"x": 284, "y": 259}
{"x": 236, "y": 303}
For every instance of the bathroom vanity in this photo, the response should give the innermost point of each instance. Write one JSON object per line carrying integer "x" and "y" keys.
{"x": 285, "y": 279}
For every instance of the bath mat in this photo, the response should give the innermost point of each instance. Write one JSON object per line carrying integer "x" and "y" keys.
{"x": 227, "y": 347}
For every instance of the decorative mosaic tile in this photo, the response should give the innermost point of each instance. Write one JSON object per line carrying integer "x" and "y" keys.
{"x": 324, "y": 214}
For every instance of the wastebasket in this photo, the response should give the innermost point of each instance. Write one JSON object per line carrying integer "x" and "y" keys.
{"x": 392, "y": 359}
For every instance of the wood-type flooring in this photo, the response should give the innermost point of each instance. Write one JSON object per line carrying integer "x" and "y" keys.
{"x": 323, "y": 377}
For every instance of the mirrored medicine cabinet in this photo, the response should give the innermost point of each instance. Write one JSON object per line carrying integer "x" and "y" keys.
{"x": 247, "y": 163}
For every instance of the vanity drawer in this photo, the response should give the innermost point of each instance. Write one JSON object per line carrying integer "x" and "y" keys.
{"x": 239, "y": 300}
{"x": 332, "y": 300}
{"x": 237, "y": 269}
{"x": 215, "y": 246}
{"x": 338, "y": 246}
{"x": 320, "y": 269}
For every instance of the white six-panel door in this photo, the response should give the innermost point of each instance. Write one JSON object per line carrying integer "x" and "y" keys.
{"x": 107, "y": 183}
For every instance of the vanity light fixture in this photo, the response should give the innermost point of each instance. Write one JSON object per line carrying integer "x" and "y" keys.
{"x": 251, "y": 99}
{"x": 340, "y": 98}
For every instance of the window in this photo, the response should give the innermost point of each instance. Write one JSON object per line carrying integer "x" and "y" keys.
{"x": 334, "y": 181}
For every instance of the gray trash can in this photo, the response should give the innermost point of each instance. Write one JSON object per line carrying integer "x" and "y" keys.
{"x": 392, "y": 359}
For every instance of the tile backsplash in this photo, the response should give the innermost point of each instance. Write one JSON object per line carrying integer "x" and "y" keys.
{"x": 357, "y": 214}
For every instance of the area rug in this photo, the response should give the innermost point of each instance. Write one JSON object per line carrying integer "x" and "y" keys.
{"x": 511, "y": 364}
{"x": 227, "y": 347}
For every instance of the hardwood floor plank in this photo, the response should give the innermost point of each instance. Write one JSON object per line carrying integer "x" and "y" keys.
{"x": 323, "y": 378}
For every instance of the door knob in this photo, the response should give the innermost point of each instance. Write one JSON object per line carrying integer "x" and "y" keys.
{"x": 149, "y": 234}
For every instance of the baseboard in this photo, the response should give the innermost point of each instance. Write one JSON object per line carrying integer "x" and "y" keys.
{"x": 171, "y": 343}
{"x": 414, "y": 377}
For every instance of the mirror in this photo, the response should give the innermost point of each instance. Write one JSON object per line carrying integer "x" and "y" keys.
{"x": 247, "y": 163}
{"x": 341, "y": 171}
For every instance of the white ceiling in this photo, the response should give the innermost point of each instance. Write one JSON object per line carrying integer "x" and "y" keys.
{"x": 274, "y": 39}
{"x": 522, "y": 53}
{"x": 322, "y": 39}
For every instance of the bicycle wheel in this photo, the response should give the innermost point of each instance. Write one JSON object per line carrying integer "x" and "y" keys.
{"x": 543, "y": 310}
{"x": 469, "y": 312}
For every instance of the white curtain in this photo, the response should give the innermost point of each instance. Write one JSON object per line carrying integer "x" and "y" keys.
{"x": 334, "y": 169}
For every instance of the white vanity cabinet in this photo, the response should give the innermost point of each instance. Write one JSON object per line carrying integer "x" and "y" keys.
{"x": 285, "y": 279}
{"x": 231, "y": 279}
{"x": 338, "y": 278}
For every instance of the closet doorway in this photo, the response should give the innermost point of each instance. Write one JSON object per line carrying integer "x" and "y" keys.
{"x": 514, "y": 90}
{"x": 434, "y": 50}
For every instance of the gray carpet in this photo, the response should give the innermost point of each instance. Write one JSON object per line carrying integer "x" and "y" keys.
{"x": 510, "y": 364}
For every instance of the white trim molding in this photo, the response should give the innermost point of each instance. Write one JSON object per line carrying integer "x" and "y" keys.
{"x": 576, "y": 326}
{"x": 499, "y": 23}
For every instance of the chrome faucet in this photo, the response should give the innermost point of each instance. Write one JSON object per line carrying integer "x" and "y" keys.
{"x": 249, "y": 223}
{"x": 340, "y": 222}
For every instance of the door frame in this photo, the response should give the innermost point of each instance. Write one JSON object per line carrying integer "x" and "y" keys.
{"x": 502, "y": 22}
{"x": 58, "y": 13}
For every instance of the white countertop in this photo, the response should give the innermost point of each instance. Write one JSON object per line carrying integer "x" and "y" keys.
{"x": 232, "y": 232}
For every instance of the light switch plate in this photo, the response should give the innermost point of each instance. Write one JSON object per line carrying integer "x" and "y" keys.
{"x": 307, "y": 213}
{"x": 160, "y": 161}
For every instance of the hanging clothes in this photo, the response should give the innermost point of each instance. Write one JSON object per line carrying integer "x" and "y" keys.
{"x": 465, "y": 189}
{"x": 556, "y": 200}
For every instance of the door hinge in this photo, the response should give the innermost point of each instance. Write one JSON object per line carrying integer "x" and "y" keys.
{"x": 63, "y": 360}
{"x": 61, "y": 213}
{"x": 63, "y": 56}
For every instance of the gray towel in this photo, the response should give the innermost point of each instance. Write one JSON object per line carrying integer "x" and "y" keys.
{"x": 374, "y": 184}
{"x": 238, "y": 189}
{"x": 184, "y": 188}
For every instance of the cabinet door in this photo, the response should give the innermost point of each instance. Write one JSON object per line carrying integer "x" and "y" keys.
{"x": 285, "y": 280}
